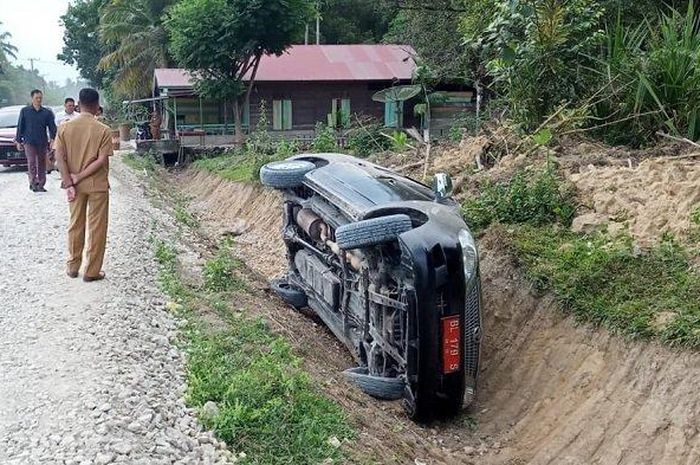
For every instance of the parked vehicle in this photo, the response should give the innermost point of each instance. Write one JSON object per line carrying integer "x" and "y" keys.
{"x": 392, "y": 269}
{"x": 9, "y": 155}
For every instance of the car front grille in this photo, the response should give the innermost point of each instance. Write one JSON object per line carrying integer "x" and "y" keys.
{"x": 472, "y": 333}
{"x": 9, "y": 152}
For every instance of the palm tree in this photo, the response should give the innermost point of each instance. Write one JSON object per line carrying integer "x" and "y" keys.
{"x": 6, "y": 49}
{"x": 134, "y": 30}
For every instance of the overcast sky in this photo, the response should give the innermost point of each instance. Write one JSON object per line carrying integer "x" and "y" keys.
{"x": 36, "y": 32}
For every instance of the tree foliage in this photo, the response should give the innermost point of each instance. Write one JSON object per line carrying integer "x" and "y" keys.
{"x": 81, "y": 44}
{"x": 221, "y": 42}
{"x": 435, "y": 38}
{"x": 539, "y": 53}
{"x": 354, "y": 21}
{"x": 7, "y": 50}
{"x": 135, "y": 33}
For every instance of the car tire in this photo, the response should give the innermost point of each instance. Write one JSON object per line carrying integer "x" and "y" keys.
{"x": 286, "y": 174}
{"x": 371, "y": 232}
{"x": 379, "y": 387}
{"x": 289, "y": 293}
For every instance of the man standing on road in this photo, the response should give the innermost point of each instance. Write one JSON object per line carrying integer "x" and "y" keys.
{"x": 83, "y": 147}
{"x": 34, "y": 123}
{"x": 69, "y": 111}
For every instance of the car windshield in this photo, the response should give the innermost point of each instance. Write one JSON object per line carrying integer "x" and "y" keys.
{"x": 8, "y": 119}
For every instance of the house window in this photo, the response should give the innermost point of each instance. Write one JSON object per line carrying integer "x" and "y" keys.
{"x": 281, "y": 115}
{"x": 340, "y": 113}
{"x": 393, "y": 114}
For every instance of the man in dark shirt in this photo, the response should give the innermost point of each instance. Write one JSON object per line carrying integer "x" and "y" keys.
{"x": 34, "y": 122}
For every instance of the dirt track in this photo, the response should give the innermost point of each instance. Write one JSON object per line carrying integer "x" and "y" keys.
{"x": 550, "y": 392}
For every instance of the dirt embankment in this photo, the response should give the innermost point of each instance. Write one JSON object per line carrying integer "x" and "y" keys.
{"x": 657, "y": 196}
{"x": 551, "y": 392}
{"x": 245, "y": 211}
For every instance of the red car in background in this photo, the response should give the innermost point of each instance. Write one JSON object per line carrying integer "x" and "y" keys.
{"x": 9, "y": 155}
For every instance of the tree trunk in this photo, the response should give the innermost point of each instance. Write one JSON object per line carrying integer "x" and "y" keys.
{"x": 478, "y": 100}
{"x": 238, "y": 122}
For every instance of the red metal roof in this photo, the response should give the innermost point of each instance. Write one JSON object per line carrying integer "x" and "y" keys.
{"x": 321, "y": 63}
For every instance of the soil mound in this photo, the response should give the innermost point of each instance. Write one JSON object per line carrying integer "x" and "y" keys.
{"x": 648, "y": 200}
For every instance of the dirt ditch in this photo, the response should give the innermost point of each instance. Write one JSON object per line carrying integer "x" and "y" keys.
{"x": 551, "y": 392}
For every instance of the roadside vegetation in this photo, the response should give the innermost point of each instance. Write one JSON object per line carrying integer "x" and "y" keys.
{"x": 246, "y": 382}
{"x": 144, "y": 163}
{"x": 364, "y": 136}
{"x": 600, "y": 278}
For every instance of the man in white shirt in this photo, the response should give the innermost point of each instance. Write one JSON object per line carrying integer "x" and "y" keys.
{"x": 69, "y": 111}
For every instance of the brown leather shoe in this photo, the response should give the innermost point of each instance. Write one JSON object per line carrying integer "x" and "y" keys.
{"x": 99, "y": 277}
{"x": 72, "y": 274}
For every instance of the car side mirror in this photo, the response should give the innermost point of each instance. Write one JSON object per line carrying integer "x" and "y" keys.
{"x": 442, "y": 186}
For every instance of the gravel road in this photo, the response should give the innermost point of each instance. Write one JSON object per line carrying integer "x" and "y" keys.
{"x": 89, "y": 373}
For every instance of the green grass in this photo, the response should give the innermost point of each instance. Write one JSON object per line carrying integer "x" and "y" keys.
{"x": 185, "y": 217}
{"x": 220, "y": 272}
{"x": 146, "y": 162}
{"x": 534, "y": 197}
{"x": 237, "y": 167}
{"x": 601, "y": 280}
{"x": 611, "y": 283}
{"x": 268, "y": 407}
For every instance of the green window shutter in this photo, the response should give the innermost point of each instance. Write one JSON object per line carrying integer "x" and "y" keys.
{"x": 390, "y": 115}
{"x": 345, "y": 109}
{"x": 287, "y": 114}
{"x": 399, "y": 114}
{"x": 334, "y": 108}
{"x": 277, "y": 115}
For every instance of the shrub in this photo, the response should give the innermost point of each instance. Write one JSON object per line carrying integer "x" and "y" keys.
{"x": 399, "y": 141}
{"x": 365, "y": 137}
{"x": 325, "y": 139}
{"x": 463, "y": 124}
{"x": 535, "y": 198}
{"x": 286, "y": 148}
{"x": 540, "y": 54}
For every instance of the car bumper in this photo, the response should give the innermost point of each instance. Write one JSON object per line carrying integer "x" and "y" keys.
{"x": 13, "y": 162}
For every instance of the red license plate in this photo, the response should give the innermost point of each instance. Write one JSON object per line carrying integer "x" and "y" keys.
{"x": 451, "y": 344}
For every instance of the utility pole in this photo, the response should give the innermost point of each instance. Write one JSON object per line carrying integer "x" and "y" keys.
{"x": 31, "y": 63}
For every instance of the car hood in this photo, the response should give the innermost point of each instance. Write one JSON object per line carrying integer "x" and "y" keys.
{"x": 358, "y": 186}
{"x": 7, "y": 133}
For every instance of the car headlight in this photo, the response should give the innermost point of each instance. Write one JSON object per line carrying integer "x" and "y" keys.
{"x": 470, "y": 257}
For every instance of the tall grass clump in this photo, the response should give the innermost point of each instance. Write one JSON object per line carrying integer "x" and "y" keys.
{"x": 651, "y": 79}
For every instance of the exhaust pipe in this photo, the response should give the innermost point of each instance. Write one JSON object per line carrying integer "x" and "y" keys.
{"x": 317, "y": 229}
{"x": 312, "y": 224}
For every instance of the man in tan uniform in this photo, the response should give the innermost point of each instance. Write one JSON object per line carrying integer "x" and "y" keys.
{"x": 83, "y": 147}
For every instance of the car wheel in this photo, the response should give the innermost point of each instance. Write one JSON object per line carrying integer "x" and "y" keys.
{"x": 290, "y": 294}
{"x": 379, "y": 387}
{"x": 372, "y": 232}
{"x": 285, "y": 174}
